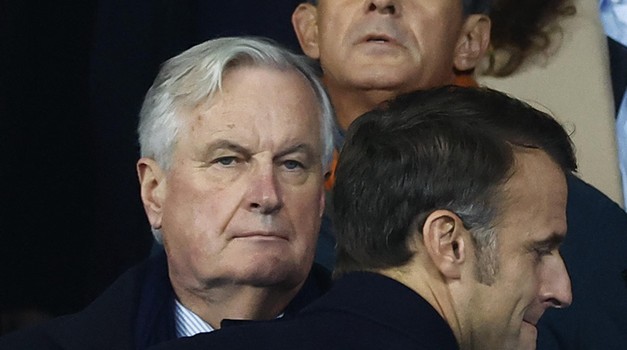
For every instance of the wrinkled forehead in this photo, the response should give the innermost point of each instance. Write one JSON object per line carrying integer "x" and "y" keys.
{"x": 470, "y": 6}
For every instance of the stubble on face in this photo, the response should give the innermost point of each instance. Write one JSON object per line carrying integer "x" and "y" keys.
{"x": 503, "y": 315}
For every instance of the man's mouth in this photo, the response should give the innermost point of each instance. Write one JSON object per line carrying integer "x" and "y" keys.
{"x": 262, "y": 235}
{"x": 379, "y": 38}
{"x": 528, "y": 335}
{"x": 529, "y": 325}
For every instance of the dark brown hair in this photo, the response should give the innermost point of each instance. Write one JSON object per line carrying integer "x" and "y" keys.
{"x": 447, "y": 148}
{"x": 522, "y": 29}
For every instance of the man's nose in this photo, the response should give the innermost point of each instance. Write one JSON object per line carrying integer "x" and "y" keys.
{"x": 263, "y": 191}
{"x": 389, "y": 7}
{"x": 555, "y": 288}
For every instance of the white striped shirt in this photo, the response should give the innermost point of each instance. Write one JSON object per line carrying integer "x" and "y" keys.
{"x": 187, "y": 323}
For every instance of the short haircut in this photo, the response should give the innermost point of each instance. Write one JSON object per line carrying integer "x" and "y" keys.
{"x": 447, "y": 148}
{"x": 195, "y": 75}
{"x": 470, "y": 6}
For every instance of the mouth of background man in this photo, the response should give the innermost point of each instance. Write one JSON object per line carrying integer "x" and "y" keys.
{"x": 380, "y": 39}
{"x": 379, "y": 45}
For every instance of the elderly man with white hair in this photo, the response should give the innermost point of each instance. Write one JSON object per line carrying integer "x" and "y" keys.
{"x": 231, "y": 179}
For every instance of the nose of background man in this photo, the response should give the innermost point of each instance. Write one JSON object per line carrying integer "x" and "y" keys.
{"x": 555, "y": 288}
{"x": 383, "y": 6}
{"x": 263, "y": 195}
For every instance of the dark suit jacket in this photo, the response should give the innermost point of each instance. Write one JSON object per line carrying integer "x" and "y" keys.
{"x": 595, "y": 253}
{"x": 361, "y": 311}
{"x": 135, "y": 312}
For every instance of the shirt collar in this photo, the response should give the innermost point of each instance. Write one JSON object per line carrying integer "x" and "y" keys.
{"x": 187, "y": 322}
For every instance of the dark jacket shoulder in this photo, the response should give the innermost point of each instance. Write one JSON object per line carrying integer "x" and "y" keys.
{"x": 107, "y": 323}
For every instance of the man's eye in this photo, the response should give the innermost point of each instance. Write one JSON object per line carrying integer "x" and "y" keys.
{"x": 542, "y": 252}
{"x": 292, "y": 165}
{"x": 225, "y": 161}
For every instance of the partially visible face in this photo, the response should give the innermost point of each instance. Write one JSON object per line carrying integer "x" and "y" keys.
{"x": 399, "y": 45}
{"x": 244, "y": 196}
{"x": 531, "y": 275}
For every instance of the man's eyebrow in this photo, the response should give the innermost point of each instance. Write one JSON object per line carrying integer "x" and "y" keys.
{"x": 224, "y": 144}
{"x": 553, "y": 241}
{"x": 299, "y": 148}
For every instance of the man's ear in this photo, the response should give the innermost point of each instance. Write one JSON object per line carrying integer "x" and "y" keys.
{"x": 323, "y": 201}
{"x": 472, "y": 43}
{"x": 152, "y": 184}
{"x": 305, "y": 23}
{"x": 444, "y": 241}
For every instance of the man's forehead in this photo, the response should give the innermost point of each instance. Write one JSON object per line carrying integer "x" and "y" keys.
{"x": 252, "y": 96}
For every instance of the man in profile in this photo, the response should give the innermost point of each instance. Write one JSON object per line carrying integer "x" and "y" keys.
{"x": 236, "y": 135}
{"x": 449, "y": 211}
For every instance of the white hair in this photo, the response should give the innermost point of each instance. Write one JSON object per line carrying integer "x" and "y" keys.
{"x": 195, "y": 75}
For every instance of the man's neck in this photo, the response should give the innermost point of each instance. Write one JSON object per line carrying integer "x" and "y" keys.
{"x": 235, "y": 302}
{"x": 426, "y": 281}
{"x": 351, "y": 103}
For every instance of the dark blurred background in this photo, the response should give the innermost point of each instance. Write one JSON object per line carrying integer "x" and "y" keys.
{"x": 72, "y": 78}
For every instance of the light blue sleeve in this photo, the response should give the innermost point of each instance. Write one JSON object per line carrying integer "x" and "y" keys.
{"x": 614, "y": 18}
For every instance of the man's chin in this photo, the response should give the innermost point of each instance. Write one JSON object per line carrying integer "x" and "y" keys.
{"x": 380, "y": 80}
{"x": 284, "y": 276}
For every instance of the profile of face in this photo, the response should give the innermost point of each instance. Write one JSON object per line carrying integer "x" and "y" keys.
{"x": 530, "y": 273}
{"x": 391, "y": 44}
{"x": 242, "y": 200}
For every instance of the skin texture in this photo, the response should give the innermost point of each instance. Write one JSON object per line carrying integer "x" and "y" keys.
{"x": 240, "y": 206}
{"x": 530, "y": 275}
{"x": 371, "y": 51}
